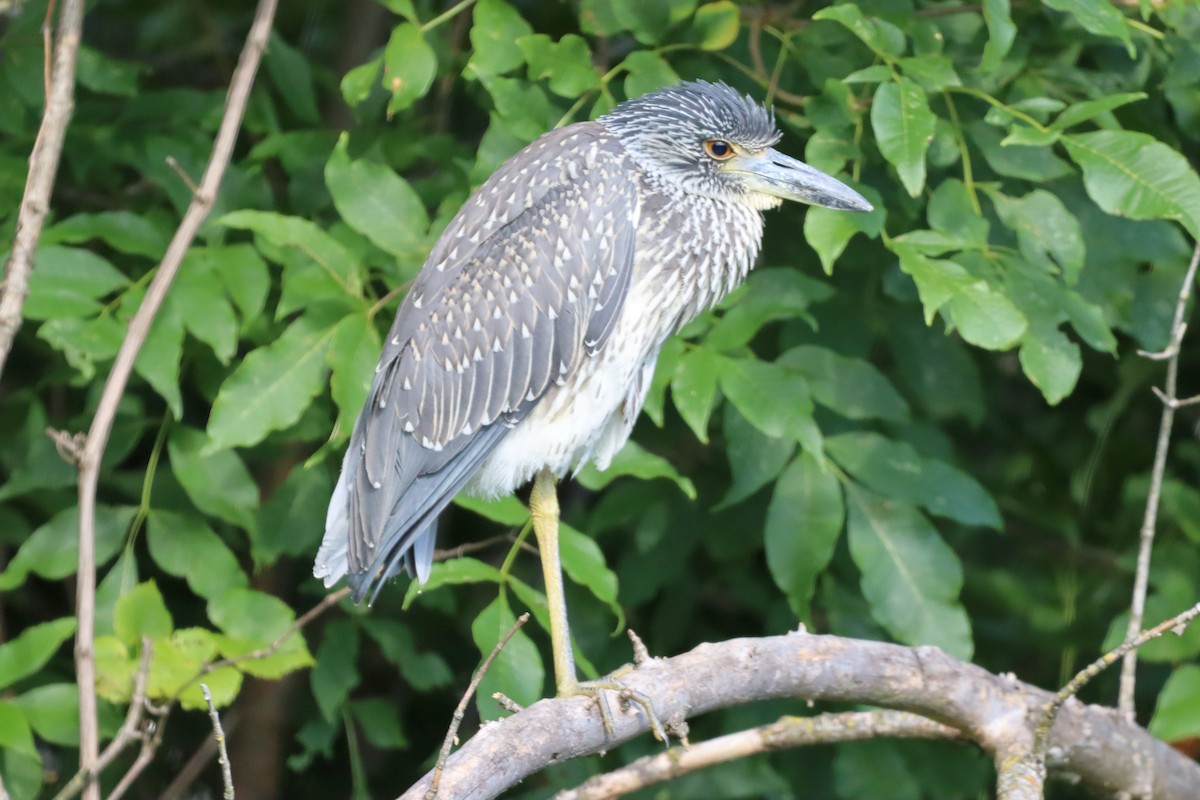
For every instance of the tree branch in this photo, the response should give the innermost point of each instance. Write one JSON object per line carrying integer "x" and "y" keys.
{"x": 782, "y": 734}
{"x": 1169, "y": 397}
{"x": 1106, "y": 753}
{"x": 118, "y": 378}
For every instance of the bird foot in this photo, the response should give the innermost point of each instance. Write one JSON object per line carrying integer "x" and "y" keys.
{"x": 600, "y": 690}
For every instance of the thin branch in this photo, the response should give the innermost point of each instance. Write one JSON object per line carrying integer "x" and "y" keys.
{"x": 782, "y": 734}
{"x": 151, "y": 739}
{"x": 1169, "y": 396}
{"x": 461, "y": 708}
{"x": 118, "y": 378}
{"x": 183, "y": 780}
{"x": 39, "y": 184}
{"x": 219, "y": 736}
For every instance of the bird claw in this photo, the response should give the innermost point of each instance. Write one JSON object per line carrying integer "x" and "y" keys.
{"x": 600, "y": 689}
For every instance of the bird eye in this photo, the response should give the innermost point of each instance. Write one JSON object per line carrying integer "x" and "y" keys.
{"x": 718, "y": 149}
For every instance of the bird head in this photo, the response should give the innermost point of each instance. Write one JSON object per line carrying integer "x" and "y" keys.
{"x": 707, "y": 139}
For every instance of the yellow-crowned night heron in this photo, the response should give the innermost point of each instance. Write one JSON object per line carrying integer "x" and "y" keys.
{"x": 526, "y": 345}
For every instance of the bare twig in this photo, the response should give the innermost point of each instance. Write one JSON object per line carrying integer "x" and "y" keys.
{"x": 461, "y": 708}
{"x": 327, "y": 601}
{"x": 1168, "y": 395}
{"x": 219, "y": 736}
{"x": 43, "y": 167}
{"x": 784, "y": 733}
{"x": 183, "y": 780}
{"x": 151, "y": 739}
{"x": 118, "y": 378}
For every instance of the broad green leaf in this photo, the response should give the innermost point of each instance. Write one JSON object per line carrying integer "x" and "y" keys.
{"x": 353, "y": 353}
{"x": 335, "y": 673}
{"x": 997, "y": 15}
{"x": 422, "y": 670}
{"x": 647, "y": 20}
{"x": 161, "y": 353}
{"x": 84, "y": 343}
{"x": 1177, "y": 714}
{"x": 289, "y": 70}
{"x": 934, "y": 71}
{"x": 377, "y": 202}
{"x": 380, "y": 721}
{"x": 107, "y": 75}
{"x": 884, "y": 39}
{"x": 986, "y": 318}
{"x": 1134, "y": 175}
{"x": 336, "y": 262}
{"x": 1086, "y": 109}
{"x": 15, "y": 734}
{"x": 494, "y": 33}
{"x": 29, "y": 651}
{"x": 694, "y": 388}
{"x": 24, "y": 774}
{"x": 936, "y": 368}
{"x": 68, "y": 281}
{"x": 357, "y": 83}
{"x": 272, "y": 386}
{"x": 768, "y": 295}
{"x": 951, "y": 212}
{"x": 140, "y": 613}
{"x": 895, "y": 471}
{"x": 52, "y": 550}
{"x": 1099, "y": 17}
{"x": 828, "y": 231}
{"x": 121, "y": 230}
{"x": 53, "y": 712}
{"x": 937, "y": 280}
{"x": 773, "y": 397}
{"x": 633, "y": 460}
{"x": 804, "y": 519}
{"x": 903, "y": 126}
{"x": 525, "y": 109}
{"x": 451, "y": 573}
{"x": 204, "y": 308}
{"x": 180, "y": 542}
{"x": 292, "y": 520}
{"x": 409, "y": 67}
{"x": 851, "y": 387}
{"x": 218, "y": 483}
{"x": 715, "y": 25}
{"x": 755, "y": 459}
{"x": 507, "y": 510}
{"x": 648, "y": 72}
{"x": 567, "y": 63}
{"x": 910, "y": 576}
{"x": 1044, "y": 227}
{"x": 239, "y": 269}
{"x": 1051, "y": 361}
{"x": 583, "y": 562}
{"x": 250, "y": 615}
{"x": 517, "y": 670}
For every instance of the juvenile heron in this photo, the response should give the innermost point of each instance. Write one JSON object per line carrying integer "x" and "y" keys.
{"x": 527, "y": 343}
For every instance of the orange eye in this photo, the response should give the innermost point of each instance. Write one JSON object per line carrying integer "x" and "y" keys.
{"x": 718, "y": 149}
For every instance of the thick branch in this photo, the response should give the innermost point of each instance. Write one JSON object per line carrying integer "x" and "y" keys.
{"x": 118, "y": 378}
{"x": 1104, "y": 751}
{"x": 43, "y": 166}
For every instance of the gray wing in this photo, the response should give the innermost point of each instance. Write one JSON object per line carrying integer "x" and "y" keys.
{"x": 526, "y": 282}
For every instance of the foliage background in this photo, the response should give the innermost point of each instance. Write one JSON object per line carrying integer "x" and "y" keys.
{"x": 927, "y": 424}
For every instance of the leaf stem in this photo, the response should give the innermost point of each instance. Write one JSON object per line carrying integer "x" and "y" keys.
{"x": 446, "y": 15}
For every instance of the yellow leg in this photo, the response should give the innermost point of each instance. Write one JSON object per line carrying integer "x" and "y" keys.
{"x": 543, "y": 506}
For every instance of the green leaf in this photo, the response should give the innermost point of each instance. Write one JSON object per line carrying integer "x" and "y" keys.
{"x": 204, "y": 308}
{"x": 951, "y": 212}
{"x": 272, "y": 386}
{"x": 160, "y": 356}
{"x": 218, "y": 483}
{"x": 694, "y": 388}
{"x": 1052, "y": 362}
{"x": 31, "y": 649}
{"x": 986, "y": 318}
{"x": 633, "y": 460}
{"x": 494, "y": 33}
{"x": 883, "y": 38}
{"x": 333, "y": 259}
{"x": 775, "y": 399}
{"x": 289, "y": 70}
{"x": 52, "y": 550}
{"x": 53, "y": 712}
{"x": 239, "y": 269}
{"x": 1134, "y": 175}
{"x": 422, "y": 670}
{"x": 897, "y": 472}
{"x": 121, "y": 230}
{"x": 997, "y": 15}
{"x": 828, "y": 231}
{"x": 755, "y": 459}
{"x": 647, "y": 20}
{"x": 1177, "y": 714}
{"x": 187, "y": 548}
{"x": 15, "y": 734}
{"x": 910, "y": 577}
{"x": 409, "y": 67}
{"x": 251, "y": 615}
{"x": 1099, "y": 17}
{"x": 934, "y": 72}
{"x": 851, "y": 387}
{"x": 353, "y": 353}
{"x": 903, "y": 126}
{"x": 768, "y": 295}
{"x": 357, "y": 83}
{"x": 937, "y": 280}
{"x": 1086, "y": 109}
{"x": 141, "y": 612}
{"x": 1044, "y": 227}
{"x": 377, "y": 202}
{"x": 380, "y": 721}
{"x": 804, "y": 519}
{"x": 517, "y": 670}
{"x": 648, "y": 72}
{"x": 715, "y": 25}
{"x": 583, "y": 562}
{"x": 335, "y": 674}
{"x": 68, "y": 281}
{"x": 452, "y": 573}
{"x": 507, "y": 510}
{"x": 567, "y": 63}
